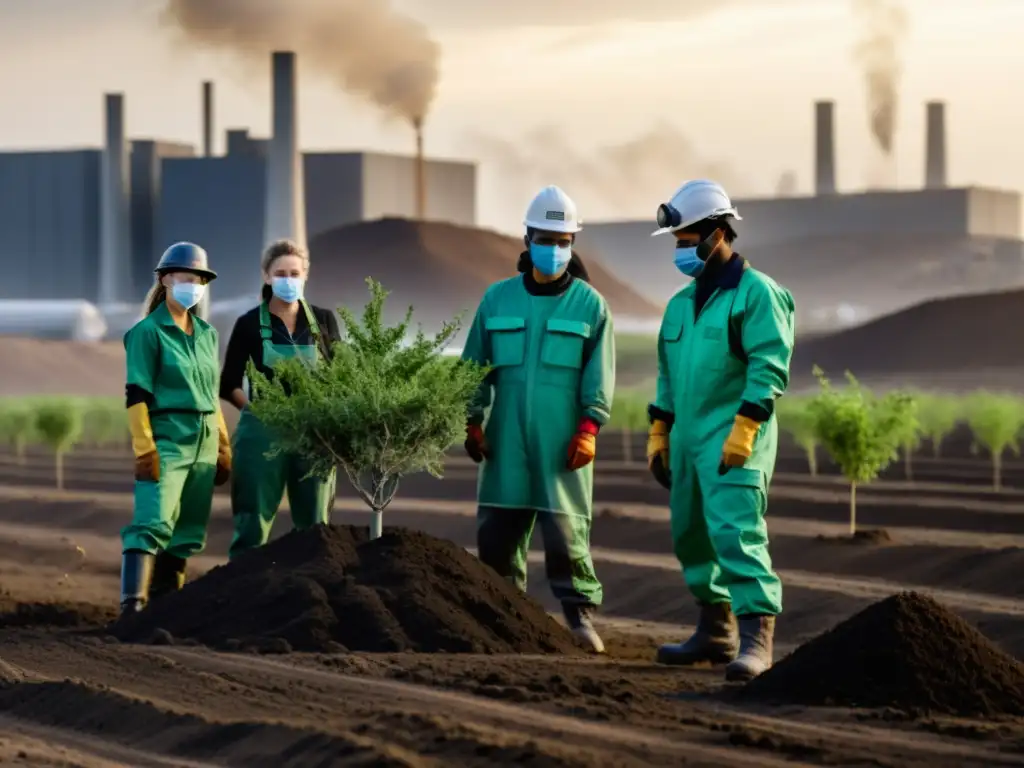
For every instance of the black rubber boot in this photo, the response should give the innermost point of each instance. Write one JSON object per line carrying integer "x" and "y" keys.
{"x": 713, "y": 642}
{"x": 168, "y": 575}
{"x": 580, "y": 619}
{"x": 136, "y": 578}
{"x": 757, "y": 635}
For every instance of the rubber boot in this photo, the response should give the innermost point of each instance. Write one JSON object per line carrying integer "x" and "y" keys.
{"x": 168, "y": 575}
{"x": 136, "y": 577}
{"x": 714, "y": 640}
{"x": 756, "y": 641}
{"x": 580, "y": 619}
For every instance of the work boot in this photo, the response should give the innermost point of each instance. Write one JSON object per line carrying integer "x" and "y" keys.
{"x": 755, "y": 657}
{"x": 168, "y": 575}
{"x": 581, "y": 623}
{"x": 136, "y": 577}
{"x": 714, "y": 640}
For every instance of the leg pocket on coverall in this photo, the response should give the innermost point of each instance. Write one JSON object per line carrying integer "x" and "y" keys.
{"x": 735, "y": 513}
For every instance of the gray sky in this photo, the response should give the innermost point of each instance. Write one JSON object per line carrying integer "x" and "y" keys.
{"x": 672, "y": 89}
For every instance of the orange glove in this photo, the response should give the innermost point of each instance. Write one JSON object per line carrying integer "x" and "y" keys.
{"x": 147, "y": 467}
{"x": 476, "y": 444}
{"x": 583, "y": 446}
{"x": 740, "y": 443}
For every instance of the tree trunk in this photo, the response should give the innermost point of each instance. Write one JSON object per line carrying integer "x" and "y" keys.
{"x": 60, "y": 469}
{"x": 376, "y": 523}
{"x": 937, "y": 446}
{"x": 812, "y": 460}
{"x": 627, "y": 446}
{"x": 908, "y": 463}
{"x": 997, "y": 471}
{"x": 853, "y": 509}
{"x": 19, "y": 450}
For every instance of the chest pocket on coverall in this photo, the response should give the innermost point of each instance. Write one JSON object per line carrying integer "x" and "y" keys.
{"x": 507, "y": 337}
{"x": 562, "y": 352}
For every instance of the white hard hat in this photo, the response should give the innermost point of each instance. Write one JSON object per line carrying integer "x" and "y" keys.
{"x": 694, "y": 201}
{"x": 553, "y": 211}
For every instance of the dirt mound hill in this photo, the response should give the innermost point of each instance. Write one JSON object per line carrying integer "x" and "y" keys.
{"x": 47, "y": 367}
{"x": 439, "y": 268}
{"x": 962, "y": 333}
{"x": 328, "y": 587}
{"x": 907, "y": 652}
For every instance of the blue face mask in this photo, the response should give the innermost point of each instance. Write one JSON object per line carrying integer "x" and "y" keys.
{"x": 287, "y": 289}
{"x": 188, "y": 294}
{"x": 688, "y": 262}
{"x": 550, "y": 260}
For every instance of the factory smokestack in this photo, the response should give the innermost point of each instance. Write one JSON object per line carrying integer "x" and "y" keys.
{"x": 115, "y": 262}
{"x": 207, "y": 118}
{"x": 935, "y": 146}
{"x": 285, "y": 198}
{"x": 420, "y": 173}
{"x": 824, "y": 148}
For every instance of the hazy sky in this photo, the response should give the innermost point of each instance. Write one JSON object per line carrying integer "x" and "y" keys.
{"x": 673, "y": 88}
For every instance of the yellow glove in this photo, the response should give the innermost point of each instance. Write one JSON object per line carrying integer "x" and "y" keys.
{"x": 657, "y": 452}
{"x": 740, "y": 443}
{"x": 223, "y": 450}
{"x": 147, "y": 460}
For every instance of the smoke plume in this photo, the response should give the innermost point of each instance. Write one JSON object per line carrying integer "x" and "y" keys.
{"x": 366, "y": 46}
{"x": 625, "y": 180}
{"x": 878, "y": 54}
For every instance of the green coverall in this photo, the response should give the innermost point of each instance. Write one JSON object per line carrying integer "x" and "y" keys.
{"x": 718, "y": 528}
{"x": 181, "y": 372}
{"x": 259, "y": 481}
{"x": 553, "y": 363}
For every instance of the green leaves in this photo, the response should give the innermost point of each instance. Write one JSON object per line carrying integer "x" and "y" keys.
{"x": 861, "y": 431}
{"x": 380, "y": 408}
{"x": 996, "y": 420}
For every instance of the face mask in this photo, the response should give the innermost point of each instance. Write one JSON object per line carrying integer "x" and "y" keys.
{"x": 287, "y": 289}
{"x": 188, "y": 294}
{"x": 688, "y": 262}
{"x": 550, "y": 260}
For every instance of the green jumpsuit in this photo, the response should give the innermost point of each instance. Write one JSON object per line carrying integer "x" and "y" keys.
{"x": 553, "y": 363}
{"x": 718, "y": 528}
{"x": 181, "y": 372}
{"x": 259, "y": 481}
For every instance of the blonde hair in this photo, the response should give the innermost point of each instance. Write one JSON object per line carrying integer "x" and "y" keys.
{"x": 157, "y": 295}
{"x": 275, "y": 251}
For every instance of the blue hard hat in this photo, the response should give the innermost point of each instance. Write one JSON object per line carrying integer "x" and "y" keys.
{"x": 185, "y": 257}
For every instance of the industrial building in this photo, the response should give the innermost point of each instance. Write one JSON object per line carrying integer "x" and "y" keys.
{"x": 92, "y": 222}
{"x": 829, "y": 248}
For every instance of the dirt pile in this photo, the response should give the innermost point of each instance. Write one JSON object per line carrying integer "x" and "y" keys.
{"x": 441, "y": 269}
{"x": 331, "y": 589}
{"x": 907, "y": 652}
{"x": 963, "y": 333}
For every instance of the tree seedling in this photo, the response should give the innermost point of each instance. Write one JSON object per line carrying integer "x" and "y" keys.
{"x": 59, "y": 424}
{"x": 996, "y": 421}
{"x": 379, "y": 408}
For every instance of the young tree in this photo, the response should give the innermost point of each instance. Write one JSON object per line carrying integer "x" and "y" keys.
{"x": 911, "y": 440}
{"x": 379, "y": 409}
{"x": 17, "y": 422}
{"x": 996, "y": 421}
{"x": 59, "y": 424}
{"x": 939, "y": 416}
{"x": 629, "y": 415}
{"x": 797, "y": 419}
{"x": 861, "y": 432}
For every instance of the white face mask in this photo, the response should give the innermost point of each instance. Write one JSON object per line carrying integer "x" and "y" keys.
{"x": 188, "y": 294}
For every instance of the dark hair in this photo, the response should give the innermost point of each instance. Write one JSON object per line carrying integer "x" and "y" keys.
{"x": 705, "y": 227}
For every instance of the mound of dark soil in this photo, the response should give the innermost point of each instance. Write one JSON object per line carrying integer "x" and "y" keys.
{"x": 906, "y": 652}
{"x": 331, "y": 588}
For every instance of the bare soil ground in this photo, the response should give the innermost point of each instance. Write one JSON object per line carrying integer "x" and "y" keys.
{"x": 72, "y": 695}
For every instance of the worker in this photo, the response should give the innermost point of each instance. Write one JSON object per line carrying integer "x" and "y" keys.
{"x": 179, "y": 437}
{"x": 547, "y": 337}
{"x": 724, "y": 351}
{"x": 282, "y": 326}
